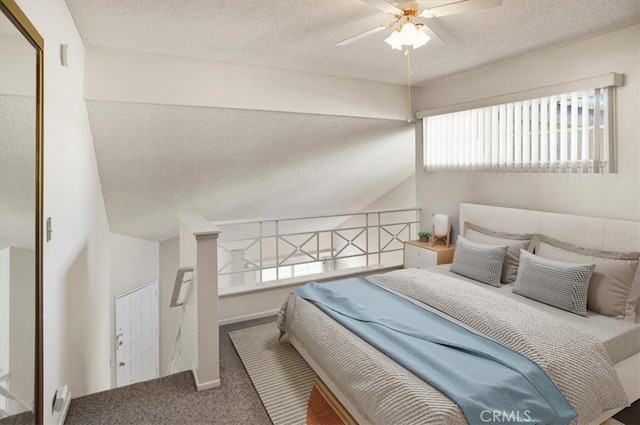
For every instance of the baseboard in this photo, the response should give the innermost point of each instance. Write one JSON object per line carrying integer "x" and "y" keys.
{"x": 65, "y": 409}
{"x": 201, "y": 386}
{"x": 246, "y": 317}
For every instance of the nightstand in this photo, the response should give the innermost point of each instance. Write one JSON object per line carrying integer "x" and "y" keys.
{"x": 423, "y": 254}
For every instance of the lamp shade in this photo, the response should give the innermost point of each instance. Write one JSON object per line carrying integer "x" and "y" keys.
{"x": 440, "y": 225}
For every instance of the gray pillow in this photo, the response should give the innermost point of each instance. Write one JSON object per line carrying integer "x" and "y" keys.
{"x": 478, "y": 261}
{"x": 560, "y": 284}
{"x": 514, "y": 242}
{"x": 614, "y": 278}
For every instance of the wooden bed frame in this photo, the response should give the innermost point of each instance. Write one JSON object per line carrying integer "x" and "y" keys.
{"x": 591, "y": 232}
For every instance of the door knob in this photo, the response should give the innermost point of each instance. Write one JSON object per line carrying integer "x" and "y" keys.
{"x": 121, "y": 363}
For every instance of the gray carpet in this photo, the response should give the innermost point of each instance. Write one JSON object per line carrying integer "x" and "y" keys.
{"x": 281, "y": 376}
{"x": 174, "y": 399}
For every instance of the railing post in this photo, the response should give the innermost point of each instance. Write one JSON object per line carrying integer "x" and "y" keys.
{"x": 277, "y": 252}
{"x": 366, "y": 236}
{"x": 260, "y": 235}
{"x": 379, "y": 235}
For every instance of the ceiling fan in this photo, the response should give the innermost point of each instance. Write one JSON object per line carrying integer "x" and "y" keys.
{"x": 408, "y": 30}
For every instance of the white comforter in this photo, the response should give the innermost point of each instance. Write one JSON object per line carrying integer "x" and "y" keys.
{"x": 386, "y": 393}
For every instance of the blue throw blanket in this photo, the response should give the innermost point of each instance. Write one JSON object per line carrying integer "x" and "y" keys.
{"x": 488, "y": 381}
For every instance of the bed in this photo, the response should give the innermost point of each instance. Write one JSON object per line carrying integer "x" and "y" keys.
{"x": 377, "y": 390}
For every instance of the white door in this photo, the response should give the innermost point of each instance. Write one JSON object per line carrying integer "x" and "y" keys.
{"x": 137, "y": 353}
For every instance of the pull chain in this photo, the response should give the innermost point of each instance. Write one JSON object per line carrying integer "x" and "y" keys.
{"x": 407, "y": 53}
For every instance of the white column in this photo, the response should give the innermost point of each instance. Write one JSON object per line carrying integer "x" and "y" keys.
{"x": 200, "y": 335}
{"x": 207, "y": 374}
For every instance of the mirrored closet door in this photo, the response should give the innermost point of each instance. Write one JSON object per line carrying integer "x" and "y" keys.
{"x": 20, "y": 218}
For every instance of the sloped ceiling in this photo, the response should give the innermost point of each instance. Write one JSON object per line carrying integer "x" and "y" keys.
{"x": 155, "y": 161}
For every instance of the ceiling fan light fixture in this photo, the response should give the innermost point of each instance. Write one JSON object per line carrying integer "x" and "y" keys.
{"x": 409, "y": 34}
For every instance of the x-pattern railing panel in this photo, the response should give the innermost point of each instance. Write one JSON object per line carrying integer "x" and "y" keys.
{"x": 350, "y": 242}
{"x": 394, "y": 236}
{"x": 239, "y": 254}
{"x": 299, "y": 248}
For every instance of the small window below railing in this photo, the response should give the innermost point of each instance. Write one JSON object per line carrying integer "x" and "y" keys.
{"x": 567, "y": 132}
{"x": 287, "y": 272}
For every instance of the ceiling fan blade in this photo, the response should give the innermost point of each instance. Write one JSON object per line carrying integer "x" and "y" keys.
{"x": 362, "y": 35}
{"x": 384, "y": 6}
{"x": 435, "y": 40}
{"x": 460, "y": 6}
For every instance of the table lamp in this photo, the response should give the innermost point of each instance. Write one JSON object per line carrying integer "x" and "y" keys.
{"x": 441, "y": 227}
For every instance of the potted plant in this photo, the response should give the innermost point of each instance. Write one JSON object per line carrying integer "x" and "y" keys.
{"x": 424, "y": 236}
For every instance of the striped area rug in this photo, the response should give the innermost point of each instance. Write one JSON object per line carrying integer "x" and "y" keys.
{"x": 280, "y": 375}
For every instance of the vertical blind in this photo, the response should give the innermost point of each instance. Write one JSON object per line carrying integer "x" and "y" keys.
{"x": 563, "y": 133}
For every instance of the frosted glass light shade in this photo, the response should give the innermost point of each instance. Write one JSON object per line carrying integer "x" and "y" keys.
{"x": 394, "y": 40}
{"x": 440, "y": 225}
{"x": 420, "y": 39}
{"x": 408, "y": 35}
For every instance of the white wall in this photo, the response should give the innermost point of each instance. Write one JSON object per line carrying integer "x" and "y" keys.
{"x": 609, "y": 195}
{"x": 76, "y": 266}
{"x": 188, "y": 257}
{"x": 169, "y": 317}
{"x": 116, "y": 75}
{"x": 134, "y": 263}
{"x": 401, "y": 196}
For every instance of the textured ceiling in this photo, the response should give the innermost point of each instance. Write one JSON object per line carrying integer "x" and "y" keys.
{"x": 155, "y": 161}
{"x": 227, "y": 164}
{"x": 301, "y": 34}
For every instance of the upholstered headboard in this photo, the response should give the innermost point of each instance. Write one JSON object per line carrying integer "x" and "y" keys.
{"x": 589, "y": 232}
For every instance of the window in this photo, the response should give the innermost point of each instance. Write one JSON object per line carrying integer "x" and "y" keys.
{"x": 570, "y": 132}
{"x": 286, "y": 272}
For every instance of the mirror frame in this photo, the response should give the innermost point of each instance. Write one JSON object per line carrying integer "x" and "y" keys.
{"x": 13, "y": 12}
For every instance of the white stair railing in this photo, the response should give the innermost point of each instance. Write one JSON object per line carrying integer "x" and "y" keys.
{"x": 260, "y": 251}
{"x": 181, "y": 287}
